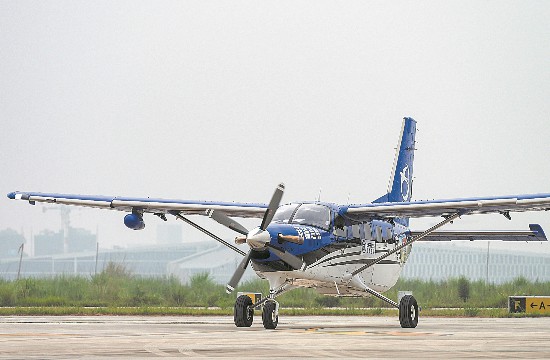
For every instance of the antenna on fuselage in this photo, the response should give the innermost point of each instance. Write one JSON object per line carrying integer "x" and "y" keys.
{"x": 319, "y": 196}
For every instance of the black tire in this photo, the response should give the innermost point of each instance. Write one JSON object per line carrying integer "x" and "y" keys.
{"x": 269, "y": 318}
{"x": 408, "y": 312}
{"x": 243, "y": 312}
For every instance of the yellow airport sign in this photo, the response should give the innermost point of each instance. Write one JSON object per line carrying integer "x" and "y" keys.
{"x": 537, "y": 304}
{"x": 529, "y": 304}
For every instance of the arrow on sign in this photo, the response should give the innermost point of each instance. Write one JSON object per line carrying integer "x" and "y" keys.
{"x": 533, "y": 305}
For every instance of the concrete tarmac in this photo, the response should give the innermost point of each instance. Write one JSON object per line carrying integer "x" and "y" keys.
{"x": 311, "y": 337}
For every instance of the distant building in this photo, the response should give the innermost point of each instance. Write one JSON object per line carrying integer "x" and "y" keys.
{"x": 10, "y": 242}
{"x": 148, "y": 261}
{"x": 219, "y": 262}
{"x": 81, "y": 240}
{"x": 438, "y": 261}
{"x": 52, "y": 243}
{"x": 48, "y": 243}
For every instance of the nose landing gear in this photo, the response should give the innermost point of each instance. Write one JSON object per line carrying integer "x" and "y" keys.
{"x": 243, "y": 312}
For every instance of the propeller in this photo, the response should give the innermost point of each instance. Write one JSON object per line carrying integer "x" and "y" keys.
{"x": 258, "y": 239}
{"x": 287, "y": 257}
{"x": 238, "y": 274}
{"x": 273, "y": 206}
{"x": 226, "y": 221}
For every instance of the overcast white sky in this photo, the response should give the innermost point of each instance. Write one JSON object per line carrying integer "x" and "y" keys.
{"x": 221, "y": 100}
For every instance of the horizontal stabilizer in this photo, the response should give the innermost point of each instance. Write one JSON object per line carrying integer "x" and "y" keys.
{"x": 535, "y": 233}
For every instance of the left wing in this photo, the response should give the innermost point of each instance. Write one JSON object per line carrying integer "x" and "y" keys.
{"x": 482, "y": 205}
{"x": 147, "y": 205}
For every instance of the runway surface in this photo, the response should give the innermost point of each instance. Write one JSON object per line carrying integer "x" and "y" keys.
{"x": 130, "y": 337}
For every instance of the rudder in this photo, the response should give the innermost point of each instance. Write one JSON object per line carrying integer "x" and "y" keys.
{"x": 400, "y": 185}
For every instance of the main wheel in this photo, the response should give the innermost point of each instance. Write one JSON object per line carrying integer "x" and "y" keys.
{"x": 269, "y": 318}
{"x": 408, "y": 312}
{"x": 243, "y": 312}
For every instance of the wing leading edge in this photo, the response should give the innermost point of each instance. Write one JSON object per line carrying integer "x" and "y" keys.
{"x": 147, "y": 205}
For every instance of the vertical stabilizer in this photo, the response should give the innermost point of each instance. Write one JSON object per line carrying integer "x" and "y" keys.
{"x": 400, "y": 186}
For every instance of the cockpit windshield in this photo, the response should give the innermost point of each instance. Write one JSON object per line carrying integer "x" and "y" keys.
{"x": 312, "y": 214}
{"x": 283, "y": 213}
{"x": 304, "y": 214}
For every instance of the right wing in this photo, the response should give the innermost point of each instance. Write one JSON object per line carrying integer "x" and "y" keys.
{"x": 482, "y": 205}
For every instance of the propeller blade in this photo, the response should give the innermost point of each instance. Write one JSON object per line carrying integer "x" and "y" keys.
{"x": 238, "y": 274}
{"x": 273, "y": 205}
{"x": 226, "y": 221}
{"x": 287, "y": 257}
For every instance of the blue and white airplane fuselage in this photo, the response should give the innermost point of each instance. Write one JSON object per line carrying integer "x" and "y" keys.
{"x": 333, "y": 251}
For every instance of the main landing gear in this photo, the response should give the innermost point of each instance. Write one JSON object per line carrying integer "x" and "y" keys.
{"x": 408, "y": 312}
{"x": 243, "y": 312}
{"x": 408, "y": 307}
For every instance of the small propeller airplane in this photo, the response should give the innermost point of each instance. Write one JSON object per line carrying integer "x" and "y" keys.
{"x": 339, "y": 250}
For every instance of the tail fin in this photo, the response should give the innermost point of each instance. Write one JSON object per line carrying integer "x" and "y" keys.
{"x": 400, "y": 186}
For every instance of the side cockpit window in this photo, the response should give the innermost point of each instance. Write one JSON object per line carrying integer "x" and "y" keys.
{"x": 339, "y": 222}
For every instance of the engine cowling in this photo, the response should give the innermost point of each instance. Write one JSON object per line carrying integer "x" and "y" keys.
{"x": 134, "y": 221}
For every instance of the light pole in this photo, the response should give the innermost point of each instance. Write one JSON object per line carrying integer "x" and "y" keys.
{"x": 21, "y": 248}
{"x": 487, "y": 270}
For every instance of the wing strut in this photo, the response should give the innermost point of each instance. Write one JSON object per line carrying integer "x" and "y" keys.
{"x": 447, "y": 220}
{"x": 200, "y": 228}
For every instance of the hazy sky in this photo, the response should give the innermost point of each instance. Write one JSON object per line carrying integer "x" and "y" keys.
{"x": 222, "y": 100}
